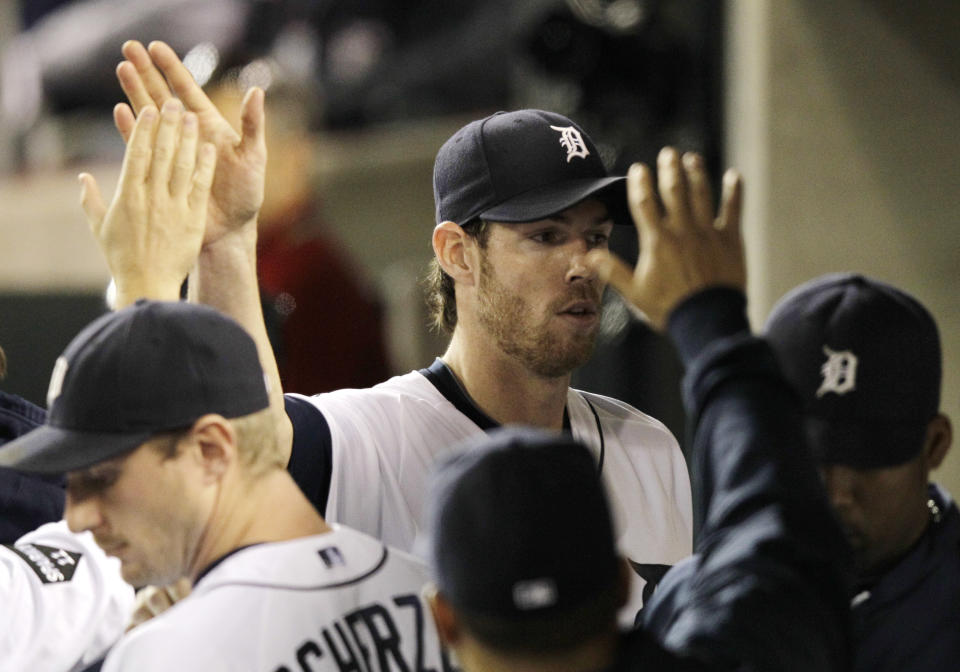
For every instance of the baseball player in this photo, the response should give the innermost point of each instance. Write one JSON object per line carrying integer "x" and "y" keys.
{"x": 169, "y": 468}
{"x": 521, "y": 198}
{"x": 865, "y": 358}
{"x": 173, "y": 467}
{"x": 514, "y": 588}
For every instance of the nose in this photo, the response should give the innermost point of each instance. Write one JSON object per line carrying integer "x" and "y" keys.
{"x": 82, "y": 515}
{"x": 839, "y": 482}
{"x": 577, "y": 268}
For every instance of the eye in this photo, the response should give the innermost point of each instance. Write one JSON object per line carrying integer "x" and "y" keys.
{"x": 548, "y": 237}
{"x": 88, "y": 484}
{"x": 598, "y": 239}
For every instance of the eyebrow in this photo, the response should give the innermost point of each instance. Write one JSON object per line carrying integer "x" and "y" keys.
{"x": 95, "y": 479}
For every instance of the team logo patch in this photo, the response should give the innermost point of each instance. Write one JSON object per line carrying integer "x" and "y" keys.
{"x": 52, "y": 565}
{"x": 572, "y": 141}
{"x": 534, "y": 594}
{"x": 331, "y": 556}
{"x": 839, "y": 372}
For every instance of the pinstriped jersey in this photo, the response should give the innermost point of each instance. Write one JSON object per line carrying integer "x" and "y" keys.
{"x": 62, "y": 601}
{"x": 335, "y": 601}
{"x": 382, "y": 442}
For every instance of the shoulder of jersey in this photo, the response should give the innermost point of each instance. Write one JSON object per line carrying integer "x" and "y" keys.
{"x": 609, "y": 408}
{"x": 322, "y": 561}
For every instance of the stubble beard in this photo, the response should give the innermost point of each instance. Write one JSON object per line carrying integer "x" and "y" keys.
{"x": 507, "y": 317}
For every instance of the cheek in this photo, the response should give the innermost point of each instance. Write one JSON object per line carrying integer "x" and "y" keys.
{"x": 887, "y": 508}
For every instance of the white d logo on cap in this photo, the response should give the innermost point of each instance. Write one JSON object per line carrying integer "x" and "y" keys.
{"x": 56, "y": 380}
{"x": 572, "y": 141}
{"x": 839, "y": 372}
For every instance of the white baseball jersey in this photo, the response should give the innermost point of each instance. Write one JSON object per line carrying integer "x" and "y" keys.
{"x": 62, "y": 601}
{"x": 382, "y": 442}
{"x": 335, "y": 601}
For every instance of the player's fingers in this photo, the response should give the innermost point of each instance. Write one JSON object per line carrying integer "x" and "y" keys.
{"x": 673, "y": 189}
{"x": 203, "y": 177}
{"x": 612, "y": 270}
{"x": 731, "y": 204}
{"x": 132, "y": 85}
{"x": 92, "y": 202}
{"x": 136, "y": 160}
{"x": 642, "y": 201}
{"x": 186, "y": 160}
{"x": 181, "y": 81}
{"x": 179, "y": 590}
{"x": 701, "y": 200}
{"x": 159, "y": 600}
{"x": 252, "y": 122}
{"x": 124, "y": 120}
{"x": 165, "y": 144}
{"x": 149, "y": 80}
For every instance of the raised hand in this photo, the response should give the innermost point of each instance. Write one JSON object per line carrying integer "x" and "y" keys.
{"x": 150, "y": 77}
{"x": 152, "y": 231}
{"x": 683, "y": 247}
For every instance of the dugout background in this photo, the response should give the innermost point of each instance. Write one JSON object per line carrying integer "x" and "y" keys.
{"x": 842, "y": 117}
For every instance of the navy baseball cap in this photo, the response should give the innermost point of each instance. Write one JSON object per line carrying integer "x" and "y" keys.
{"x": 518, "y": 525}
{"x": 129, "y": 375}
{"x": 521, "y": 166}
{"x": 865, "y": 357}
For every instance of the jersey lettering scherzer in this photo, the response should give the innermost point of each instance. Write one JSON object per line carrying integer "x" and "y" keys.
{"x": 383, "y": 441}
{"x": 62, "y": 601}
{"x": 334, "y": 601}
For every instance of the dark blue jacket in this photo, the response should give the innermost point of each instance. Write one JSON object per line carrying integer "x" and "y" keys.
{"x": 766, "y": 588}
{"x": 910, "y": 618}
{"x": 27, "y": 501}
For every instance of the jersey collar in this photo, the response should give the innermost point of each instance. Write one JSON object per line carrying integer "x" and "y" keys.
{"x": 442, "y": 378}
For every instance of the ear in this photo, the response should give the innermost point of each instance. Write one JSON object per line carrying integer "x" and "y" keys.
{"x": 938, "y": 441}
{"x": 217, "y": 442}
{"x": 455, "y": 250}
{"x": 443, "y": 616}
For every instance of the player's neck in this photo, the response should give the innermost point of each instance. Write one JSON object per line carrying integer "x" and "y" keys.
{"x": 268, "y": 509}
{"x": 503, "y": 387}
{"x": 597, "y": 654}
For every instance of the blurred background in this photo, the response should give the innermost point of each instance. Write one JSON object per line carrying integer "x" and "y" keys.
{"x": 842, "y": 116}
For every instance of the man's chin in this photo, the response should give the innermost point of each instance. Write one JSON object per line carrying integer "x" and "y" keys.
{"x": 138, "y": 577}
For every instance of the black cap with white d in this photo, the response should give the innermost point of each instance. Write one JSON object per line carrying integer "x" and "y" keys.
{"x": 865, "y": 357}
{"x": 521, "y": 166}
{"x": 132, "y": 374}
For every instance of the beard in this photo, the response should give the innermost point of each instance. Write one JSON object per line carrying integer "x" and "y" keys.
{"x": 510, "y": 319}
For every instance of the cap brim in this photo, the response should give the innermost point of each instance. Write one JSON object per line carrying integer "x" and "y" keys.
{"x": 52, "y": 450}
{"x": 553, "y": 198}
{"x": 876, "y": 447}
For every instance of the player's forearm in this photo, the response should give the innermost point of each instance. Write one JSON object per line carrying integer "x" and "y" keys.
{"x": 768, "y": 540}
{"x": 226, "y": 278}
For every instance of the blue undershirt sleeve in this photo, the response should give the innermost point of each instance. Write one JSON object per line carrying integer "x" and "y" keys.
{"x": 311, "y": 459}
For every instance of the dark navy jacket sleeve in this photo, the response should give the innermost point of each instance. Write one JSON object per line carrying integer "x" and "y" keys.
{"x": 311, "y": 462}
{"x": 27, "y": 501}
{"x": 766, "y": 587}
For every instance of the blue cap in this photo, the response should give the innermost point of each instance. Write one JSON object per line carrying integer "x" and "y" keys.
{"x": 129, "y": 375}
{"x": 521, "y": 166}
{"x": 518, "y": 525}
{"x": 865, "y": 357}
